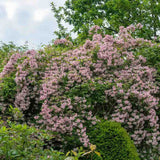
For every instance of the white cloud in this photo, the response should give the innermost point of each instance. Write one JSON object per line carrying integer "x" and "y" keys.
{"x": 41, "y": 14}
{"x": 31, "y": 2}
{"x": 11, "y": 9}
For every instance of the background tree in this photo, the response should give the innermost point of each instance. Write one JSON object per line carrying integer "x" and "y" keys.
{"x": 110, "y": 15}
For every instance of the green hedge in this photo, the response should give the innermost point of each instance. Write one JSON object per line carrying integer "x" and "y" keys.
{"x": 112, "y": 141}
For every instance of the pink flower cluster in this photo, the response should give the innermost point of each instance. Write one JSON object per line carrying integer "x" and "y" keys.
{"x": 94, "y": 29}
{"x": 10, "y": 66}
{"x": 24, "y": 69}
{"x": 62, "y": 42}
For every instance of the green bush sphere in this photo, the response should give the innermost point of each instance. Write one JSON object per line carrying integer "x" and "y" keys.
{"x": 112, "y": 141}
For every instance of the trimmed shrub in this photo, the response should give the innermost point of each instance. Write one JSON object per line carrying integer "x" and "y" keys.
{"x": 112, "y": 141}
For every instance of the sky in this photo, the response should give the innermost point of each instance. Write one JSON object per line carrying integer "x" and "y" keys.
{"x": 27, "y": 20}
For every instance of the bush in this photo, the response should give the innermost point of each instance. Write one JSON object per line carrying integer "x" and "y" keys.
{"x": 67, "y": 91}
{"x": 19, "y": 142}
{"x": 112, "y": 141}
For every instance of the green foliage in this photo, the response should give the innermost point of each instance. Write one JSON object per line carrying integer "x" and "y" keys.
{"x": 110, "y": 15}
{"x": 126, "y": 12}
{"x": 81, "y": 153}
{"x": 21, "y": 142}
{"x": 112, "y": 141}
{"x": 15, "y": 114}
{"x": 7, "y": 93}
{"x": 7, "y": 87}
{"x": 62, "y": 33}
{"x": 96, "y": 92}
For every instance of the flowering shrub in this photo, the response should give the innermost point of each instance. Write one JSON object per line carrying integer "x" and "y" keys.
{"x": 104, "y": 78}
{"x": 26, "y": 70}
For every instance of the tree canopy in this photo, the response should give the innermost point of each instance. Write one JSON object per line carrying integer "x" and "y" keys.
{"x": 110, "y": 15}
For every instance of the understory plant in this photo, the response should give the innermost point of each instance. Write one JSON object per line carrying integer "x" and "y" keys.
{"x": 19, "y": 142}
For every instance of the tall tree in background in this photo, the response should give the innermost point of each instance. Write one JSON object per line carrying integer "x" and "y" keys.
{"x": 110, "y": 15}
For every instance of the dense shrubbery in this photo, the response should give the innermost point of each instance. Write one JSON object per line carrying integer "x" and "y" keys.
{"x": 67, "y": 92}
{"x": 113, "y": 141}
{"x": 19, "y": 142}
{"x": 24, "y": 142}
